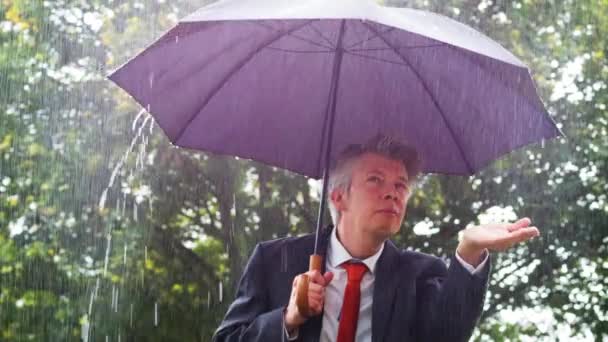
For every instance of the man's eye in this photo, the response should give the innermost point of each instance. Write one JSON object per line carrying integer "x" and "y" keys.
{"x": 402, "y": 186}
{"x": 374, "y": 179}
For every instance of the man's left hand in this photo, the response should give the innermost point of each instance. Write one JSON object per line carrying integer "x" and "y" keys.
{"x": 494, "y": 237}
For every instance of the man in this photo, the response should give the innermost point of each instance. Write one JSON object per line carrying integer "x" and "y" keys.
{"x": 369, "y": 290}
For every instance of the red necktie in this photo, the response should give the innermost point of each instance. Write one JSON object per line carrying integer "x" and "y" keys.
{"x": 352, "y": 297}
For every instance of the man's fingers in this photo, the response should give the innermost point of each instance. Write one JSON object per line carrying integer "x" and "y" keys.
{"x": 316, "y": 277}
{"x": 316, "y": 297}
{"x": 316, "y": 304}
{"x": 313, "y": 300}
{"x": 313, "y": 296}
{"x": 523, "y": 234}
{"x": 316, "y": 308}
{"x": 528, "y": 232}
{"x": 312, "y": 287}
{"x": 522, "y": 223}
{"x": 317, "y": 286}
{"x": 316, "y": 291}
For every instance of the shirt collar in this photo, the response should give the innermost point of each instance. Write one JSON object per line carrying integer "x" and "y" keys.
{"x": 339, "y": 255}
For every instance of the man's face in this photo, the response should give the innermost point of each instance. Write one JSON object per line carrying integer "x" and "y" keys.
{"x": 377, "y": 198}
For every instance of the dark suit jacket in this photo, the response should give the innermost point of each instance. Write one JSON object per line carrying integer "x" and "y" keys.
{"x": 416, "y": 297}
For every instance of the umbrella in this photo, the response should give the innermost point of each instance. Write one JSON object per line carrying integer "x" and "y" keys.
{"x": 292, "y": 83}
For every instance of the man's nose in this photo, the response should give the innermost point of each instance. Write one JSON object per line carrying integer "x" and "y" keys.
{"x": 391, "y": 194}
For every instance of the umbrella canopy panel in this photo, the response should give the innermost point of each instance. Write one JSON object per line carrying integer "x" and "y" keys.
{"x": 260, "y": 88}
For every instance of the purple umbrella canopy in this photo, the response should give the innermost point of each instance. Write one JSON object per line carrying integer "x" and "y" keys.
{"x": 275, "y": 80}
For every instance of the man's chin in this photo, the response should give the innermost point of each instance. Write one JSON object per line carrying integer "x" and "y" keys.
{"x": 385, "y": 232}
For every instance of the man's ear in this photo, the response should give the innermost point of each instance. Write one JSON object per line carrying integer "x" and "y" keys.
{"x": 338, "y": 199}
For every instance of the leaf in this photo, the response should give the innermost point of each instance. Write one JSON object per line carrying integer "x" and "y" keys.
{"x": 6, "y": 142}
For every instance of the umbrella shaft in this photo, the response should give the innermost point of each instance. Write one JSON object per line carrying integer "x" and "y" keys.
{"x": 330, "y": 116}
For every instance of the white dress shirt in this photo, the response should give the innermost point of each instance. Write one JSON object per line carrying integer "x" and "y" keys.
{"x": 334, "y": 292}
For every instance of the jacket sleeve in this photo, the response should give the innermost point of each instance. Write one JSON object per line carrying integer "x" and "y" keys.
{"x": 449, "y": 300}
{"x": 248, "y": 318}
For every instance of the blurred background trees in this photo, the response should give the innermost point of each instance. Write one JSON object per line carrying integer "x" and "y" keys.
{"x": 107, "y": 231}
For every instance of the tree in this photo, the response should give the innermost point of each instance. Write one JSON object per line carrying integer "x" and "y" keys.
{"x": 108, "y": 230}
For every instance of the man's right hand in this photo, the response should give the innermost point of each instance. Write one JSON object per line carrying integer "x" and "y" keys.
{"x": 316, "y": 298}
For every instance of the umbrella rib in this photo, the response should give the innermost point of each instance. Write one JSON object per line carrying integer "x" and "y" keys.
{"x": 491, "y": 74}
{"x": 375, "y": 58}
{"x": 397, "y": 63}
{"x": 237, "y": 67}
{"x": 321, "y": 35}
{"x": 161, "y": 75}
{"x": 310, "y": 41}
{"x": 376, "y": 35}
{"x": 330, "y": 115}
{"x": 399, "y": 47}
{"x": 426, "y": 88}
{"x": 296, "y": 36}
{"x": 297, "y": 51}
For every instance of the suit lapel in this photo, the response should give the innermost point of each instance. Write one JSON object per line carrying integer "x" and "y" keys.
{"x": 323, "y": 244}
{"x": 385, "y": 285}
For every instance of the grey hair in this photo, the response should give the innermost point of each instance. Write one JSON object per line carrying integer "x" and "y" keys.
{"x": 340, "y": 174}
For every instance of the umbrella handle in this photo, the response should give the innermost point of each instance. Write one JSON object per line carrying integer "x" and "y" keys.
{"x": 302, "y": 291}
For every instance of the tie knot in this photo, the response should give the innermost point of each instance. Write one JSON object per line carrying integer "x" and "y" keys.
{"x": 354, "y": 270}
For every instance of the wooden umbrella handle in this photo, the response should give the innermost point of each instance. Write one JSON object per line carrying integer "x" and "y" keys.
{"x": 302, "y": 291}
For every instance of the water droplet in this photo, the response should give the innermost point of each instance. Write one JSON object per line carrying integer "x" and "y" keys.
{"x": 123, "y": 158}
{"x": 102, "y": 200}
{"x": 114, "y": 305}
{"x": 124, "y": 204}
{"x": 221, "y": 288}
{"x": 284, "y": 259}
{"x": 151, "y": 79}
{"x": 134, "y": 124}
{"x": 113, "y": 295}
{"x": 84, "y": 333}
{"x": 107, "y": 258}
{"x": 93, "y": 295}
{"x": 155, "y": 314}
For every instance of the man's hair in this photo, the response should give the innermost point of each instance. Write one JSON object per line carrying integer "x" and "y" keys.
{"x": 340, "y": 174}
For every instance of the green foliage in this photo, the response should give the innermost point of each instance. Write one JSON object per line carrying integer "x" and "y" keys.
{"x": 159, "y": 261}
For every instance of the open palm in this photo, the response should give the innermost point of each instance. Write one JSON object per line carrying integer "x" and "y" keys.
{"x": 500, "y": 236}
